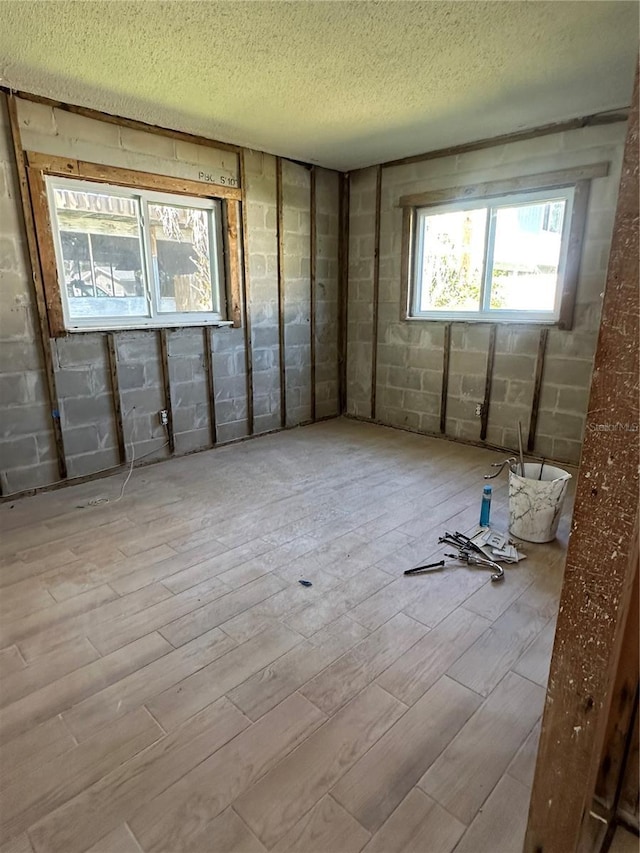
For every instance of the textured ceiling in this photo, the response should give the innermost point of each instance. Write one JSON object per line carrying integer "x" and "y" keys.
{"x": 343, "y": 84}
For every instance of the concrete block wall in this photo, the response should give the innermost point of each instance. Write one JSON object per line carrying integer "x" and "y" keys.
{"x": 81, "y": 364}
{"x": 327, "y": 294}
{"x": 27, "y": 449}
{"x": 409, "y": 354}
{"x": 362, "y": 224}
{"x": 296, "y": 194}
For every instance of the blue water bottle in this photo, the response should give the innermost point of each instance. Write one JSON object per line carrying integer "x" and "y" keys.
{"x": 485, "y": 508}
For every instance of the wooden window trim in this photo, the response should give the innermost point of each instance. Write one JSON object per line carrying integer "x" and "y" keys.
{"x": 579, "y": 178}
{"x": 39, "y": 165}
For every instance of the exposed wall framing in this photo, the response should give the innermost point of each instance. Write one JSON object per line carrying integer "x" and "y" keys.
{"x": 112, "y": 354}
{"x": 343, "y": 290}
{"x": 281, "y": 295}
{"x": 38, "y": 286}
{"x": 313, "y": 251}
{"x": 246, "y": 316}
{"x": 376, "y": 294}
{"x": 602, "y": 557}
{"x": 491, "y": 354}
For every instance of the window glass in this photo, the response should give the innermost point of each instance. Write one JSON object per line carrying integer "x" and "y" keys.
{"x": 181, "y": 257}
{"x": 526, "y": 256}
{"x": 452, "y": 260}
{"x": 101, "y": 254}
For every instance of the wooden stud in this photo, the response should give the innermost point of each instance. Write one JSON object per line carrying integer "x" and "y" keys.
{"x": 446, "y": 353}
{"x": 100, "y": 173}
{"x": 602, "y": 554}
{"x": 36, "y": 276}
{"x": 121, "y": 121}
{"x": 281, "y": 293}
{"x": 376, "y": 294}
{"x": 571, "y": 273}
{"x": 46, "y": 253}
{"x": 541, "y": 180}
{"x": 246, "y": 315}
{"x": 407, "y": 261}
{"x": 597, "y": 119}
{"x": 312, "y": 287}
{"x": 343, "y": 287}
{"x": 484, "y": 417}
{"x": 112, "y": 355}
{"x": 233, "y": 264}
{"x": 211, "y": 389}
{"x": 537, "y": 388}
{"x": 163, "y": 336}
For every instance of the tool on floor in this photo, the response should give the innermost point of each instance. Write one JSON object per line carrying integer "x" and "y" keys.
{"x": 430, "y": 567}
{"x": 511, "y": 462}
{"x": 482, "y": 562}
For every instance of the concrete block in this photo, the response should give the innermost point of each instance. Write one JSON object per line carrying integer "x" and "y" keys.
{"x": 507, "y": 415}
{"x": 473, "y": 386}
{"x": 30, "y": 477}
{"x": 232, "y": 431}
{"x": 573, "y": 400}
{"x": 187, "y": 342}
{"x": 20, "y": 355}
{"x": 79, "y": 350}
{"x": 572, "y": 344}
{"x": 130, "y": 376}
{"x": 519, "y": 392}
{"x": 8, "y": 254}
{"x": 466, "y": 363}
{"x": 15, "y": 322}
{"x": 514, "y": 366}
{"x": 188, "y": 393}
{"x": 13, "y": 389}
{"x": 566, "y": 371}
{"x": 230, "y": 388}
{"x": 422, "y": 402}
{"x": 90, "y": 463}
{"x": 73, "y": 126}
{"x": 187, "y": 369}
{"x": 142, "y": 401}
{"x": 79, "y": 411}
{"x": 405, "y": 377}
{"x": 189, "y": 442}
{"x": 228, "y": 411}
{"x": 567, "y": 451}
{"x": 560, "y": 425}
{"x": 36, "y": 117}
{"x": 18, "y": 452}
{"x": 148, "y": 143}
{"x": 16, "y": 421}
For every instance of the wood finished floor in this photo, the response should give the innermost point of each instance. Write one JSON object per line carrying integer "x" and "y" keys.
{"x": 168, "y": 685}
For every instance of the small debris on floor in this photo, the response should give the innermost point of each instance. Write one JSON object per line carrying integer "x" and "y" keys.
{"x": 305, "y": 583}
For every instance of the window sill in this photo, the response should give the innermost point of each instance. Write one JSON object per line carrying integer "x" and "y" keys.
{"x": 137, "y": 327}
{"x": 494, "y": 317}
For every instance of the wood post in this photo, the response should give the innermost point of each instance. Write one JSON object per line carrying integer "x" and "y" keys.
{"x": 601, "y": 558}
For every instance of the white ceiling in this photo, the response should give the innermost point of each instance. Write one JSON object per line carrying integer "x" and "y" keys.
{"x": 343, "y": 84}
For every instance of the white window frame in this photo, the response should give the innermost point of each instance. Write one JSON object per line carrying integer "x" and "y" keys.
{"x": 491, "y": 204}
{"x": 155, "y": 318}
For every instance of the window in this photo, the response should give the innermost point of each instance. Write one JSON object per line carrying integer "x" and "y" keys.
{"x": 502, "y": 251}
{"x": 132, "y": 258}
{"x": 492, "y": 259}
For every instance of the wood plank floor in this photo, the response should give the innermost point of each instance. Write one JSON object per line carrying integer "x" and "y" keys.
{"x": 169, "y": 687}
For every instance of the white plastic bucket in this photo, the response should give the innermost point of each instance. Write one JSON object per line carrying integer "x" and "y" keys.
{"x": 535, "y": 505}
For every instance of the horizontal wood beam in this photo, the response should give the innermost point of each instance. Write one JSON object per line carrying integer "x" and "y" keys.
{"x": 81, "y": 169}
{"x": 122, "y": 121}
{"x": 594, "y": 120}
{"x": 541, "y": 181}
